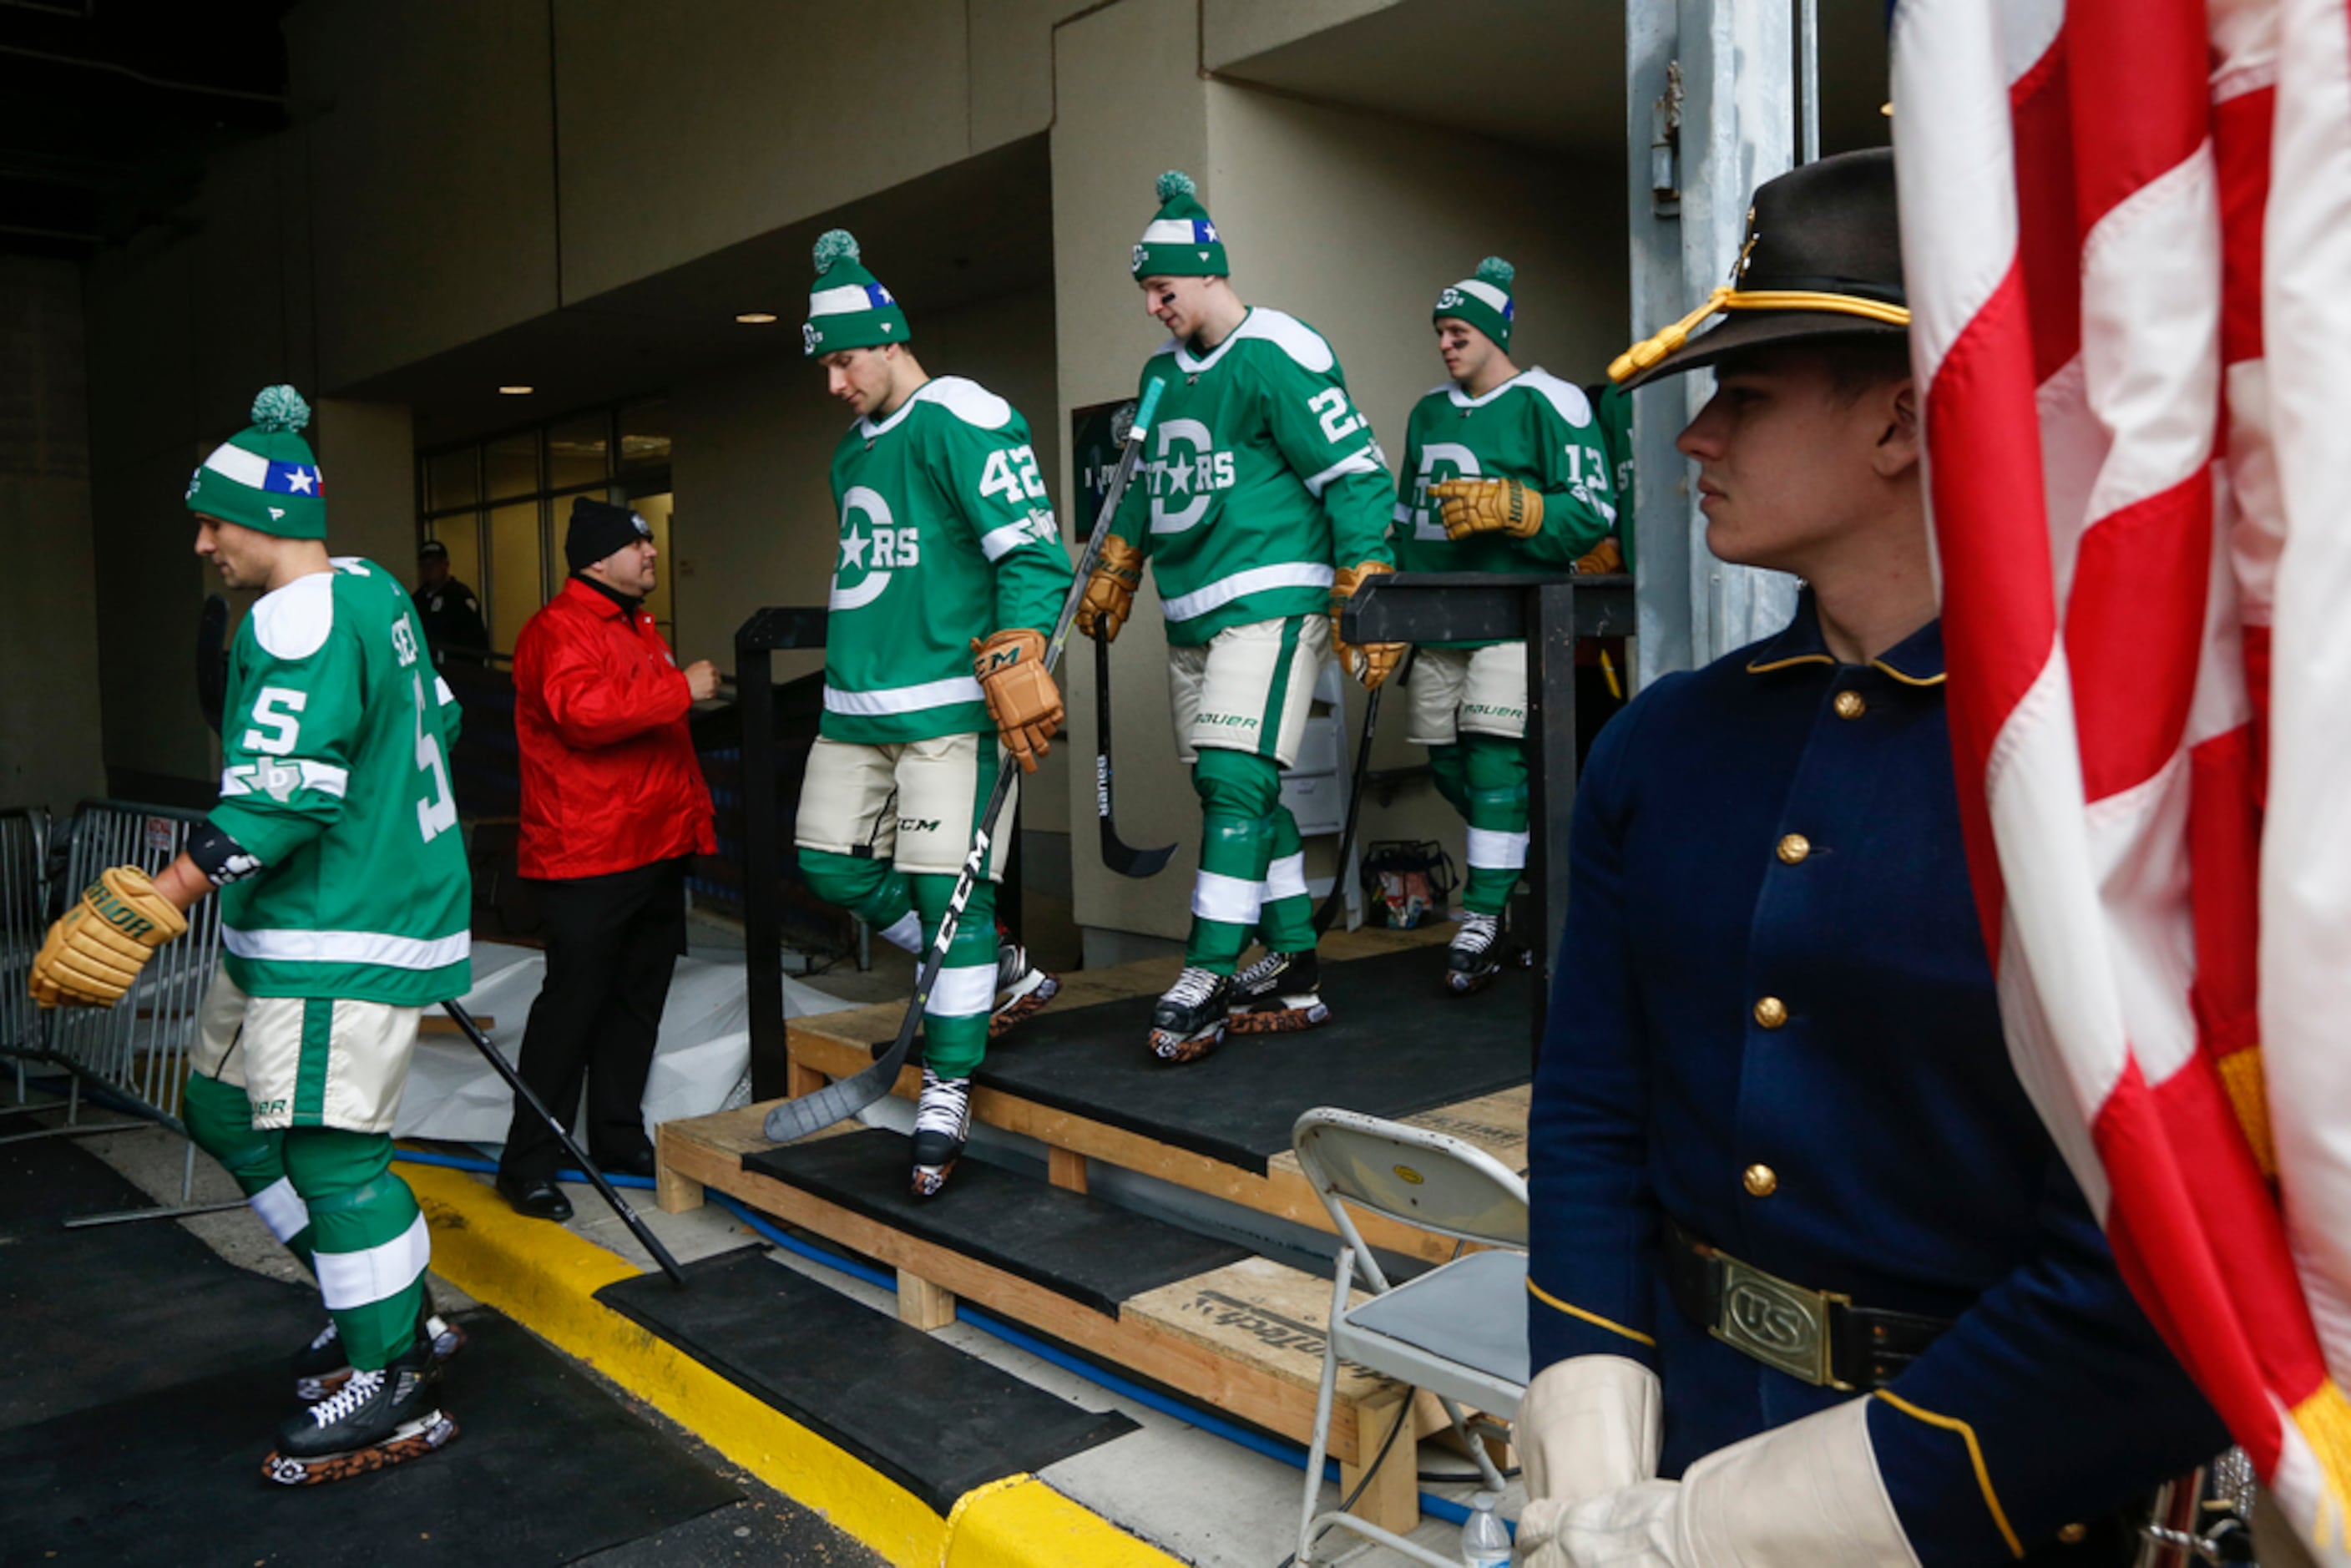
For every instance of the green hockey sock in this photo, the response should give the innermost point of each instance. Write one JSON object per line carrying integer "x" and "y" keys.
{"x": 956, "y": 1018}
{"x": 1285, "y": 922}
{"x": 219, "y": 1119}
{"x": 1238, "y": 793}
{"x": 371, "y": 1243}
{"x": 1497, "y": 779}
{"x": 872, "y": 890}
{"x": 1450, "y": 764}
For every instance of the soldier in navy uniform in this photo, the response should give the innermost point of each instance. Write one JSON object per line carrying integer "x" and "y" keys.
{"x": 1810, "y": 1282}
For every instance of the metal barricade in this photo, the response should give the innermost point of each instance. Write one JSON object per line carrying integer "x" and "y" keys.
{"x": 23, "y": 919}
{"x": 138, "y": 1048}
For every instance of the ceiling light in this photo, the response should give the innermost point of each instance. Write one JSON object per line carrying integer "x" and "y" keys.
{"x": 517, "y": 391}
{"x": 756, "y": 317}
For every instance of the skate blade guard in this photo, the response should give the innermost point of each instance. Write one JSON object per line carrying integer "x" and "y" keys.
{"x": 1175, "y": 1049}
{"x": 929, "y": 1181}
{"x": 448, "y": 1339}
{"x": 1286, "y": 1015}
{"x": 413, "y": 1440}
{"x": 1027, "y": 1004}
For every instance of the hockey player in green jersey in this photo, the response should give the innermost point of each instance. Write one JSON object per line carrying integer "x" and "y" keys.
{"x": 344, "y": 908}
{"x": 1266, "y": 506}
{"x": 1504, "y": 471}
{"x": 951, "y": 571}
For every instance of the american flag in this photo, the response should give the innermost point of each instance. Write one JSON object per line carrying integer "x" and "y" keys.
{"x": 2143, "y": 523}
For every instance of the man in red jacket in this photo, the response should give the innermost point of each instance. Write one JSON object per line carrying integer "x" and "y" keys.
{"x": 612, "y": 803}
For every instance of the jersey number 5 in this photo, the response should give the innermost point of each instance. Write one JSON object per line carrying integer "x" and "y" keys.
{"x": 437, "y": 812}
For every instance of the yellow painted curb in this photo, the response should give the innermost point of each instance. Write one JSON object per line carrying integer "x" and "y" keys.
{"x": 545, "y": 1279}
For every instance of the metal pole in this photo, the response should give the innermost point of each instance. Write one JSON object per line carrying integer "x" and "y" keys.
{"x": 1808, "y": 62}
{"x": 762, "y": 930}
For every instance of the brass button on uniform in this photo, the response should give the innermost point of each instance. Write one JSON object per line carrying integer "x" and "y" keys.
{"x": 1794, "y": 847}
{"x": 1771, "y": 1012}
{"x": 2073, "y": 1534}
{"x": 1850, "y": 705}
{"x": 1761, "y": 1181}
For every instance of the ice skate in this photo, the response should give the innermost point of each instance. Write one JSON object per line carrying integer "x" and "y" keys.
{"x": 377, "y": 1419}
{"x": 1279, "y": 993}
{"x": 1475, "y": 956}
{"x": 942, "y": 1127}
{"x": 1021, "y": 988}
{"x": 1189, "y": 1021}
{"x": 320, "y": 1368}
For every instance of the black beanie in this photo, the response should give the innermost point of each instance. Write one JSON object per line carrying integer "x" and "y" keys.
{"x": 598, "y": 528}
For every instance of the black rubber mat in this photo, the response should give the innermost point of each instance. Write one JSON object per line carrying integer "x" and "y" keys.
{"x": 1094, "y": 1253}
{"x": 932, "y": 1418}
{"x": 546, "y": 1468}
{"x": 1395, "y": 1045}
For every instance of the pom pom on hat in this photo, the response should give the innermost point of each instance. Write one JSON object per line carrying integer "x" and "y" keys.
{"x": 1174, "y": 184}
{"x": 835, "y": 244}
{"x": 280, "y": 410}
{"x": 1496, "y": 271}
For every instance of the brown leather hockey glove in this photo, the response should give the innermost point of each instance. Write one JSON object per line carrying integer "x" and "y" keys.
{"x": 1602, "y": 558}
{"x": 96, "y": 949}
{"x": 1021, "y": 697}
{"x": 1110, "y": 590}
{"x": 1373, "y": 661}
{"x": 1488, "y": 506}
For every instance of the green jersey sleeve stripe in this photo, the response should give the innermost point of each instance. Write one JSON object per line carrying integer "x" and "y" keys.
{"x": 1257, "y": 579}
{"x": 905, "y": 699}
{"x": 1361, "y": 462}
{"x": 376, "y": 948}
{"x": 1000, "y": 542}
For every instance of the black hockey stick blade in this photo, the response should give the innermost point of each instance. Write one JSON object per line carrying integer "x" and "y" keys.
{"x": 212, "y": 660}
{"x": 473, "y": 1031}
{"x": 1117, "y": 853}
{"x": 845, "y": 1097}
{"x": 1333, "y": 900}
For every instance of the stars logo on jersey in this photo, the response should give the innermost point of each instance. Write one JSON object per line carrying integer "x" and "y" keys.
{"x": 1186, "y": 462}
{"x": 873, "y": 546}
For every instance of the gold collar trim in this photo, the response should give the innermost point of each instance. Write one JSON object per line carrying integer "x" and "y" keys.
{"x": 1649, "y": 350}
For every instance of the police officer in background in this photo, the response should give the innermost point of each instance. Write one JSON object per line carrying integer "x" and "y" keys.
{"x": 450, "y": 611}
{"x": 1809, "y": 1281}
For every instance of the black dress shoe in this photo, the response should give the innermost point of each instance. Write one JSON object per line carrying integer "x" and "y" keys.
{"x": 538, "y": 1198}
{"x": 639, "y": 1164}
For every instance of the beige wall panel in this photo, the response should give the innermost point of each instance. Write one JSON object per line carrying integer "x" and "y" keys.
{"x": 49, "y": 748}
{"x": 431, "y": 174}
{"x": 1233, "y": 30}
{"x": 1129, "y": 102}
{"x": 755, "y": 524}
{"x": 1012, "y": 67}
{"x": 368, "y": 456}
{"x": 679, "y": 140}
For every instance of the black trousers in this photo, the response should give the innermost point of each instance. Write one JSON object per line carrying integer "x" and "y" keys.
{"x": 611, "y": 942}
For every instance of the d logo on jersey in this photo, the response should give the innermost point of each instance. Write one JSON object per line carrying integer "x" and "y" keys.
{"x": 871, "y": 545}
{"x": 1186, "y": 465}
{"x": 1439, "y": 461}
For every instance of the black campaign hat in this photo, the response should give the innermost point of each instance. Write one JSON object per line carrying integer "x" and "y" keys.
{"x": 1822, "y": 260}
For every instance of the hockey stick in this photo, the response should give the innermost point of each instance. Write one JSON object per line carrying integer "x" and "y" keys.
{"x": 465, "y": 1021}
{"x": 845, "y": 1097}
{"x": 1117, "y": 853}
{"x": 1338, "y": 894}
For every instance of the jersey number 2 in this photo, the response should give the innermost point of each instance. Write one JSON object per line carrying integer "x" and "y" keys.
{"x": 1339, "y": 421}
{"x": 437, "y": 812}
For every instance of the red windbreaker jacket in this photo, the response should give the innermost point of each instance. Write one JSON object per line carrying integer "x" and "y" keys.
{"x": 610, "y": 781}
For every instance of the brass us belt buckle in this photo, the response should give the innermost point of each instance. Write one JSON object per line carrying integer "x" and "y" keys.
{"x": 1777, "y": 1324}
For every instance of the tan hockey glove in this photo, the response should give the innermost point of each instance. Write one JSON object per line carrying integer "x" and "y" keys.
{"x": 1489, "y": 507}
{"x": 1021, "y": 697}
{"x": 1374, "y": 661}
{"x": 96, "y": 949}
{"x": 1110, "y": 591}
{"x": 1602, "y": 558}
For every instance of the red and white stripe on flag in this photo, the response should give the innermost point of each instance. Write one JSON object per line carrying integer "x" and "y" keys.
{"x": 2120, "y": 501}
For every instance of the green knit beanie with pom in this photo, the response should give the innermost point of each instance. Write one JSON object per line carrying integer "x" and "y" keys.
{"x": 1181, "y": 242}
{"x": 1483, "y": 300}
{"x": 264, "y": 476}
{"x": 848, "y": 308}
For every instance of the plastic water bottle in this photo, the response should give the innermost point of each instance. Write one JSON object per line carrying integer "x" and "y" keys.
{"x": 1485, "y": 1540}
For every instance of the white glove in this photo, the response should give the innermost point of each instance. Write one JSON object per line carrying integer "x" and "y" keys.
{"x": 1588, "y": 1426}
{"x": 1795, "y": 1497}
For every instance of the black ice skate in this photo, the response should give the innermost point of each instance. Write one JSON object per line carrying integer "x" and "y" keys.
{"x": 1279, "y": 993}
{"x": 1476, "y": 956}
{"x": 1189, "y": 1021}
{"x": 377, "y": 1419}
{"x": 942, "y": 1127}
{"x": 320, "y": 1368}
{"x": 1021, "y": 987}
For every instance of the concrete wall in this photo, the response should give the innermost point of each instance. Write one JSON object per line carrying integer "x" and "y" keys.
{"x": 50, "y": 752}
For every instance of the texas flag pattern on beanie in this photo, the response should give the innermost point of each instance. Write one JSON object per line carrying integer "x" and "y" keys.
{"x": 265, "y": 476}
{"x": 1183, "y": 240}
{"x": 848, "y": 308}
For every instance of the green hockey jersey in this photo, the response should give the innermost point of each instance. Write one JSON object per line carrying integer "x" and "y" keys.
{"x": 946, "y": 534}
{"x": 335, "y": 776}
{"x": 1261, "y": 478}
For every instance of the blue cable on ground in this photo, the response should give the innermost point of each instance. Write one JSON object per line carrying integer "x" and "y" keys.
{"x": 1290, "y": 1454}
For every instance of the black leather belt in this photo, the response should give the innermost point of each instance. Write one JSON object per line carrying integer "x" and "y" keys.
{"x": 1818, "y": 1336}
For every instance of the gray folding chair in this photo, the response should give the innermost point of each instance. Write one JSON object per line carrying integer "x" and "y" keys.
{"x": 1459, "y": 1331}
